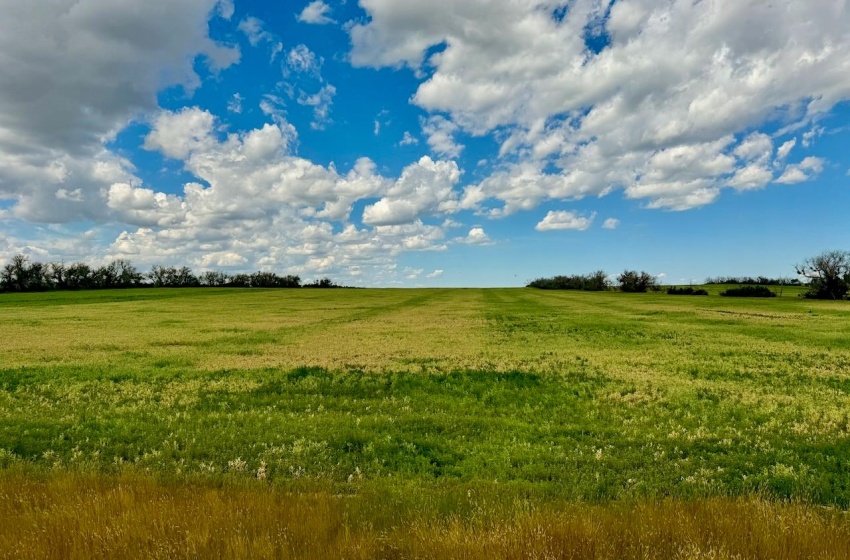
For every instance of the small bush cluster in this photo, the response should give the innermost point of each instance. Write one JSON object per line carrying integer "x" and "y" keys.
{"x": 749, "y": 291}
{"x": 685, "y": 291}
{"x": 593, "y": 282}
{"x": 21, "y": 275}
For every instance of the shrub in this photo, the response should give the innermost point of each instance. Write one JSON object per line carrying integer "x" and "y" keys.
{"x": 594, "y": 282}
{"x": 749, "y": 291}
{"x": 686, "y": 291}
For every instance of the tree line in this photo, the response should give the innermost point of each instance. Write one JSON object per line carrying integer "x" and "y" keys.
{"x": 23, "y": 275}
{"x": 754, "y": 281}
{"x": 628, "y": 281}
{"x": 826, "y": 276}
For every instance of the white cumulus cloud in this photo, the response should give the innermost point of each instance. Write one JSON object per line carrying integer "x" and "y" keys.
{"x": 440, "y": 132}
{"x": 74, "y": 73}
{"x": 316, "y": 13}
{"x": 476, "y": 236}
{"x": 671, "y": 110}
{"x": 253, "y": 29}
{"x": 803, "y": 171}
{"x": 424, "y": 188}
{"x": 565, "y": 220}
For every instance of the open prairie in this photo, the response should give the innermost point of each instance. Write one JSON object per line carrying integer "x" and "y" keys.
{"x": 500, "y": 423}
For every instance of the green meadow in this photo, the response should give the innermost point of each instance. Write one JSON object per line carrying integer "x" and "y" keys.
{"x": 432, "y": 404}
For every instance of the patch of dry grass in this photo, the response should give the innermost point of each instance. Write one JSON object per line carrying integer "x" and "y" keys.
{"x": 73, "y": 517}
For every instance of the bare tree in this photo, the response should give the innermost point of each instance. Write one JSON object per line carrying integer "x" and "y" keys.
{"x": 828, "y": 274}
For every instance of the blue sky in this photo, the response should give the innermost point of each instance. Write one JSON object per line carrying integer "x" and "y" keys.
{"x": 402, "y": 143}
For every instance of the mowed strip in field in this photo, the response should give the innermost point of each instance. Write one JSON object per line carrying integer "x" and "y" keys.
{"x": 433, "y": 400}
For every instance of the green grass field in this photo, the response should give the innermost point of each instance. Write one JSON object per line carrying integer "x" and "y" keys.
{"x": 435, "y": 403}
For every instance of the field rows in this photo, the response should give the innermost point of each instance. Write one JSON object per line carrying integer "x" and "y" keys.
{"x": 414, "y": 402}
{"x": 577, "y": 395}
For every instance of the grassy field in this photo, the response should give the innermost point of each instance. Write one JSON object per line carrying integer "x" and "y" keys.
{"x": 434, "y": 414}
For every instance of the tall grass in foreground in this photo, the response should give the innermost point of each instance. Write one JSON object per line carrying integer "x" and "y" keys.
{"x": 70, "y": 516}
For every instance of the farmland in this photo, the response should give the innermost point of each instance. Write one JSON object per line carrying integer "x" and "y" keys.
{"x": 451, "y": 409}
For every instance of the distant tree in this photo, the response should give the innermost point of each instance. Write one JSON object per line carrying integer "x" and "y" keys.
{"x": 124, "y": 274}
{"x": 184, "y": 278}
{"x": 828, "y": 274}
{"x": 272, "y": 280}
{"x": 78, "y": 276}
{"x": 240, "y": 281}
{"x": 291, "y": 281}
{"x": 594, "y": 282}
{"x": 38, "y": 278}
{"x": 322, "y": 283}
{"x": 597, "y": 281}
{"x": 214, "y": 278}
{"x": 759, "y": 281}
{"x": 633, "y": 281}
{"x": 171, "y": 277}
{"x": 20, "y": 275}
{"x": 58, "y": 275}
{"x": 14, "y": 275}
{"x": 161, "y": 276}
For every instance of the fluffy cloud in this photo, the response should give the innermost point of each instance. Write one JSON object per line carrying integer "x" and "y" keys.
{"x": 78, "y": 71}
{"x": 75, "y": 72}
{"x": 476, "y": 236}
{"x": 235, "y": 104}
{"x": 565, "y": 220}
{"x": 426, "y": 187}
{"x": 803, "y": 171}
{"x": 413, "y": 273}
{"x": 253, "y": 29}
{"x": 302, "y": 59}
{"x": 268, "y": 208}
{"x": 408, "y": 139}
{"x": 785, "y": 149}
{"x": 249, "y": 169}
{"x": 321, "y": 102}
{"x": 611, "y": 223}
{"x": 178, "y": 134}
{"x": 316, "y": 13}
{"x": 144, "y": 207}
{"x": 660, "y": 110}
{"x": 440, "y": 133}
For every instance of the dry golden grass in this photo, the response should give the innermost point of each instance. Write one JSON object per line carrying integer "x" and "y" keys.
{"x": 83, "y": 517}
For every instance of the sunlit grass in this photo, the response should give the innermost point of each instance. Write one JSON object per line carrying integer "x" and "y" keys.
{"x": 515, "y": 396}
